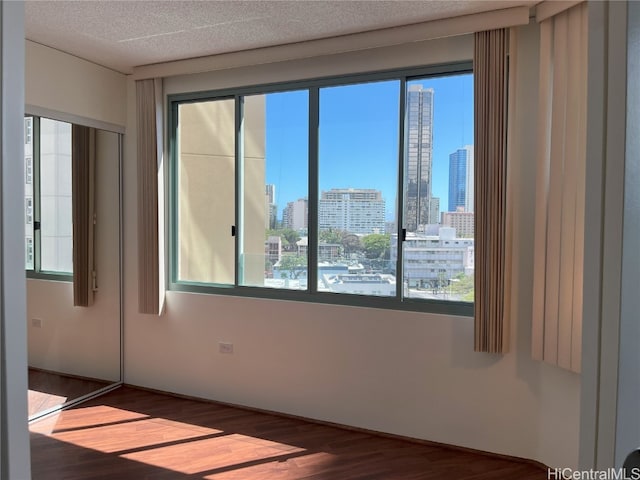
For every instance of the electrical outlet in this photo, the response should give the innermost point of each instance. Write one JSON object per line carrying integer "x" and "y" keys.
{"x": 225, "y": 347}
{"x": 36, "y": 322}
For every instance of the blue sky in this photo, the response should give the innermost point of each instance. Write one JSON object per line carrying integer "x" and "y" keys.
{"x": 358, "y": 141}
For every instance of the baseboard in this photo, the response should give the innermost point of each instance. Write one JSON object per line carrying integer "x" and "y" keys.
{"x": 71, "y": 375}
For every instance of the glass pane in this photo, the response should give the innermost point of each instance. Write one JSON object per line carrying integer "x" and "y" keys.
{"x": 358, "y": 178}
{"x": 438, "y": 205}
{"x": 274, "y": 195}
{"x": 28, "y": 193}
{"x": 206, "y": 192}
{"x": 56, "y": 233}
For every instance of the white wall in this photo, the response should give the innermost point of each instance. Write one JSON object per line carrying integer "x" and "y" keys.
{"x": 60, "y": 82}
{"x": 605, "y": 336}
{"x": 406, "y": 373}
{"x": 76, "y": 340}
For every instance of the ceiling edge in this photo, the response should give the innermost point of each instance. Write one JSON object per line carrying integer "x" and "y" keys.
{"x": 508, "y": 17}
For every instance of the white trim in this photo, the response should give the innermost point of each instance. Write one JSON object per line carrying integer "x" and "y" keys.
{"x": 71, "y": 118}
{"x": 14, "y": 436}
{"x": 612, "y": 230}
{"x": 447, "y": 27}
{"x": 628, "y": 421}
{"x": 593, "y": 242}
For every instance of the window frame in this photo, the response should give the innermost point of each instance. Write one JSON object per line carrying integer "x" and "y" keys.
{"x": 36, "y": 272}
{"x": 397, "y": 302}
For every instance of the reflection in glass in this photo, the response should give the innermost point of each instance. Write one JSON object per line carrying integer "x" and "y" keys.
{"x": 28, "y": 193}
{"x": 56, "y": 239}
{"x": 72, "y": 351}
{"x": 206, "y": 192}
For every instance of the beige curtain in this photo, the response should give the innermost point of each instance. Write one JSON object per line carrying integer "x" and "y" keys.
{"x": 560, "y": 189}
{"x": 490, "y": 90}
{"x": 83, "y": 153}
{"x": 148, "y": 249}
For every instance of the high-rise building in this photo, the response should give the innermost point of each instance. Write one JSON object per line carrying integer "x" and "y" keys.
{"x": 461, "y": 179}
{"x": 434, "y": 210}
{"x": 295, "y": 214}
{"x": 419, "y": 159}
{"x": 353, "y": 210}
{"x": 270, "y": 207}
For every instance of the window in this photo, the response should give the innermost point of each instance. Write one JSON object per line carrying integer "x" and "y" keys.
{"x": 28, "y": 211}
{"x": 335, "y": 190}
{"x": 48, "y": 226}
{"x": 358, "y": 180}
{"x": 29, "y": 253}
{"x": 28, "y": 130}
{"x": 206, "y": 186}
{"x": 274, "y": 165}
{"x": 28, "y": 170}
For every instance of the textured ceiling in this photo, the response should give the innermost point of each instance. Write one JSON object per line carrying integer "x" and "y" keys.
{"x": 124, "y": 34}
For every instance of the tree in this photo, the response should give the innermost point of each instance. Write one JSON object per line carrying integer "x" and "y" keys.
{"x": 294, "y": 265}
{"x": 376, "y": 245}
{"x": 462, "y": 287}
{"x": 288, "y": 236}
{"x": 330, "y": 236}
{"x": 351, "y": 243}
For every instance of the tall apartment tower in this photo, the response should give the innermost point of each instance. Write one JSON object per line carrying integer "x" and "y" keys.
{"x": 295, "y": 214}
{"x": 419, "y": 159}
{"x": 461, "y": 179}
{"x": 353, "y": 210}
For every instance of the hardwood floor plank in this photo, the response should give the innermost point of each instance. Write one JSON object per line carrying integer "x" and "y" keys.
{"x": 135, "y": 434}
{"x": 49, "y": 389}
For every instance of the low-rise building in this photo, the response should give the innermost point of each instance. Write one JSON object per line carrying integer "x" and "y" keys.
{"x": 433, "y": 260}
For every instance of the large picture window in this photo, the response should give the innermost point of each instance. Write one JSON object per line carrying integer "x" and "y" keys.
{"x": 48, "y": 207}
{"x": 348, "y": 190}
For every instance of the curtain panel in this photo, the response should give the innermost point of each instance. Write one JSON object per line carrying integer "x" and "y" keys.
{"x": 560, "y": 189}
{"x": 147, "y": 152}
{"x": 490, "y": 90}
{"x": 83, "y": 157}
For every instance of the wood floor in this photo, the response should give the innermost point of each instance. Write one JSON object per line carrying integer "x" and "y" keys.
{"x": 48, "y": 389}
{"x": 135, "y": 434}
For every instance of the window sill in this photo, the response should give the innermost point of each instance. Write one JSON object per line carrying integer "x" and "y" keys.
{"x": 50, "y": 276}
{"x": 440, "y": 307}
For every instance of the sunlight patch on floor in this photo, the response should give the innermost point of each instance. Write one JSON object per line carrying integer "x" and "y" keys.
{"x": 77, "y": 419}
{"x": 149, "y": 432}
{"x": 225, "y": 452}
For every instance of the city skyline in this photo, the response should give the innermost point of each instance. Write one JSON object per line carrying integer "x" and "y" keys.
{"x": 374, "y": 127}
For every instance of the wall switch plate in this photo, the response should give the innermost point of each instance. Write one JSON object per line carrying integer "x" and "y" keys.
{"x": 36, "y": 322}
{"x": 225, "y": 347}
